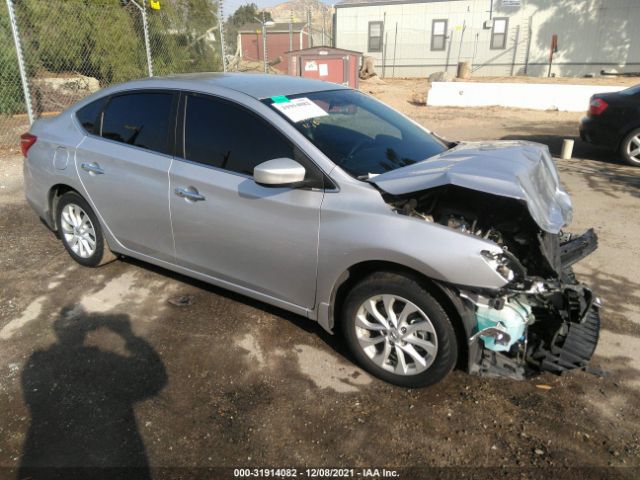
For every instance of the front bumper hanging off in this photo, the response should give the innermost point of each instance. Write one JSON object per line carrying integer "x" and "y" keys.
{"x": 565, "y": 326}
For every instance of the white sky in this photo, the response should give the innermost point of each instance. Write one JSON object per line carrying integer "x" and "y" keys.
{"x": 230, "y": 6}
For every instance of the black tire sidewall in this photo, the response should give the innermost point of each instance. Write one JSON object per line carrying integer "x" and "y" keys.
{"x": 95, "y": 259}
{"x": 623, "y": 148}
{"x": 412, "y": 290}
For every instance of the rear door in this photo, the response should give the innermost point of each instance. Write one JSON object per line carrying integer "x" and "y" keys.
{"x": 228, "y": 227}
{"x": 125, "y": 168}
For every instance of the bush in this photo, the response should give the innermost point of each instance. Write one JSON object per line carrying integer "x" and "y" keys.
{"x": 11, "y": 97}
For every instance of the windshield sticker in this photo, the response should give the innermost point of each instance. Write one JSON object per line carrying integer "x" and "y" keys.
{"x": 300, "y": 109}
{"x": 280, "y": 99}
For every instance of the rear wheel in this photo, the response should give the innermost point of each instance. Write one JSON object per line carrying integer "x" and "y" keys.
{"x": 398, "y": 332}
{"x": 630, "y": 148}
{"x": 80, "y": 231}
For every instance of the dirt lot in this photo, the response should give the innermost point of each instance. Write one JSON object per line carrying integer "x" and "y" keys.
{"x": 227, "y": 381}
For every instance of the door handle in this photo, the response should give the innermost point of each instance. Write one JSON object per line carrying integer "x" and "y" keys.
{"x": 92, "y": 168}
{"x": 189, "y": 194}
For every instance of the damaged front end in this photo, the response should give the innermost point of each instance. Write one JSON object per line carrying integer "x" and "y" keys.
{"x": 542, "y": 319}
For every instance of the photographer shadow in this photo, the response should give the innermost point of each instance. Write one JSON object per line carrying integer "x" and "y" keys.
{"x": 81, "y": 400}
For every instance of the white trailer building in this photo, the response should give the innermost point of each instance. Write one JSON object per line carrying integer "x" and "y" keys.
{"x": 411, "y": 38}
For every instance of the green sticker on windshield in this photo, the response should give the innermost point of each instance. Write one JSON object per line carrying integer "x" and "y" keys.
{"x": 280, "y": 99}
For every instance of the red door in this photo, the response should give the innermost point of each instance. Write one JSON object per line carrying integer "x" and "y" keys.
{"x": 323, "y": 68}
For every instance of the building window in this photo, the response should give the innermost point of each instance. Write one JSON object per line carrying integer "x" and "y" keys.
{"x": 438, "y": 34}
{"x": 375, "y": 37}
{"x": 499, "y": 33}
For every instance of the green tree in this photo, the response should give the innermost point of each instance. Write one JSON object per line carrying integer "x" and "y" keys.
{"x": 244, "y": 14}
{"x": 99, "y": 38}
{"x": 11, "y": 99}
{"x": 184, "y": 37}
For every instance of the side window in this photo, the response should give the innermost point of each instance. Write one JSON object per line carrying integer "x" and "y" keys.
{"x": 438, "y": 35}
{"x": 223, "y": 135}
{"x": 499, "y": 33}
{"x": 139, "y": 119}
{"x": 88, "y": 115}
{"x": 375, "y": 37}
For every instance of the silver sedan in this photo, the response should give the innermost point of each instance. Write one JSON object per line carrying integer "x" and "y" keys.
{"x": 424, "y": 253}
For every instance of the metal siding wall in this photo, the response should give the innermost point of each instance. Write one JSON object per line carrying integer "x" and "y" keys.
{"x": 598, "y": 33}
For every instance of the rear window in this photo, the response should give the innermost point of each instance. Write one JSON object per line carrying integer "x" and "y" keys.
{"x": 88, "y": 116}
{"x": 139, "y": 119}
{"x": 631, "y": 91}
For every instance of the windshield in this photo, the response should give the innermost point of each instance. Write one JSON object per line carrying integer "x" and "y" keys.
{"x": 358, "y": 133}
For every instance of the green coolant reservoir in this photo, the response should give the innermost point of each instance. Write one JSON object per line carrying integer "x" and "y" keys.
{"x": 512, "y": 318}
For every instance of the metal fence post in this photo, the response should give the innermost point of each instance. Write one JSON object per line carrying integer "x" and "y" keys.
{"x": 290, "y": 30}
{"x": 145, "y": 27}
{"x": 21, "y": 66}
{"x": 221, "y": 28}
{"x": 264, "y": 44}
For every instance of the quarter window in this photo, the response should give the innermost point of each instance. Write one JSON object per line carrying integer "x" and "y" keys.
{"x": 499, "y": 33}
{"x": 223, "y": 135}
{"x": 375, "y": 37}
{"x": 438, "y": 35}
{"x": 88, "y": 115}
{"x": 139, "y": 119}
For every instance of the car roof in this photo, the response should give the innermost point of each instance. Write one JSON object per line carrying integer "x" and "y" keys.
{"x": 258, "y": 86}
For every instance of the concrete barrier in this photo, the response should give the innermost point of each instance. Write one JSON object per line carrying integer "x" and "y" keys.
{"x": 537, "y": 96}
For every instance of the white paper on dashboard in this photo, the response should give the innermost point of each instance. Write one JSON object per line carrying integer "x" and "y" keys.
{"x": 300, "y": 109}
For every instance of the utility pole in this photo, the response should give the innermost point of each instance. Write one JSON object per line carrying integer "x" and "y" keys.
{"x": 309, "y": 27}
{"x": 265, "y": 24}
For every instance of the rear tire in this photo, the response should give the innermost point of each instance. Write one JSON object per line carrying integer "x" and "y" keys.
{"x": 630, "y": 148}
{"x": 80, "y": 231}
{"x": 397, "y": 331}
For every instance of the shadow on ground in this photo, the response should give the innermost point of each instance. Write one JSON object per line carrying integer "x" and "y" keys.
{"x": 81, "y": 401}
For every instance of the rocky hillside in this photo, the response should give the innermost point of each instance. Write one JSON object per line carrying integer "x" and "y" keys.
{"x": 320, "y": 13}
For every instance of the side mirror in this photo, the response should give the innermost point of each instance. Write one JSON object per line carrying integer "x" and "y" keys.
{"x": 280, "y": 172}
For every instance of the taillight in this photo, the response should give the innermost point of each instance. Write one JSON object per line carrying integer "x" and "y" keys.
{"x": 597, "y": 106}
{"x": 26, "y": 142}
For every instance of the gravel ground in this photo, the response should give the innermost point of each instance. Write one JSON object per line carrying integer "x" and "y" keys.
{"x": 227, "y": 381}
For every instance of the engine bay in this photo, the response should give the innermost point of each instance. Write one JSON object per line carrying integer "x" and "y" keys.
{"x": 543, "y": 318}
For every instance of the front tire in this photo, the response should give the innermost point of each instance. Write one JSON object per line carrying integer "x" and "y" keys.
{"x": 398, "y": 332}
{"x": 630, "y": 148}
{"x": 80, "y": 231}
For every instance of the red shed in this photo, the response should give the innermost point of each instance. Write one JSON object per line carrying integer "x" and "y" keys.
{"x": 325, "y": 63}
{"x": 250, "y": 41}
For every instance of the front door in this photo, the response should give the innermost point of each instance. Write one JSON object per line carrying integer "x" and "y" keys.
{"x": 227, "y": 226}
{"x": 125, "y": 171}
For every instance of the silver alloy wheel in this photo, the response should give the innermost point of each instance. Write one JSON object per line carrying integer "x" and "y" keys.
{"x": 633, "y": 149}
{"x": 396, "y": 334}
{"x": 78, "y": 231}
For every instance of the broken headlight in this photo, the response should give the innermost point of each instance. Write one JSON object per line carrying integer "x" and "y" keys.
{"x": 501, "y": 263}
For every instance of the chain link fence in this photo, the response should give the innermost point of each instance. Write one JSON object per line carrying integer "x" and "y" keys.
{"x": 72, "y": 48}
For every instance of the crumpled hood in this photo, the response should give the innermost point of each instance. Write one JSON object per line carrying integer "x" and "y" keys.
{"x": 514, "y": 169}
